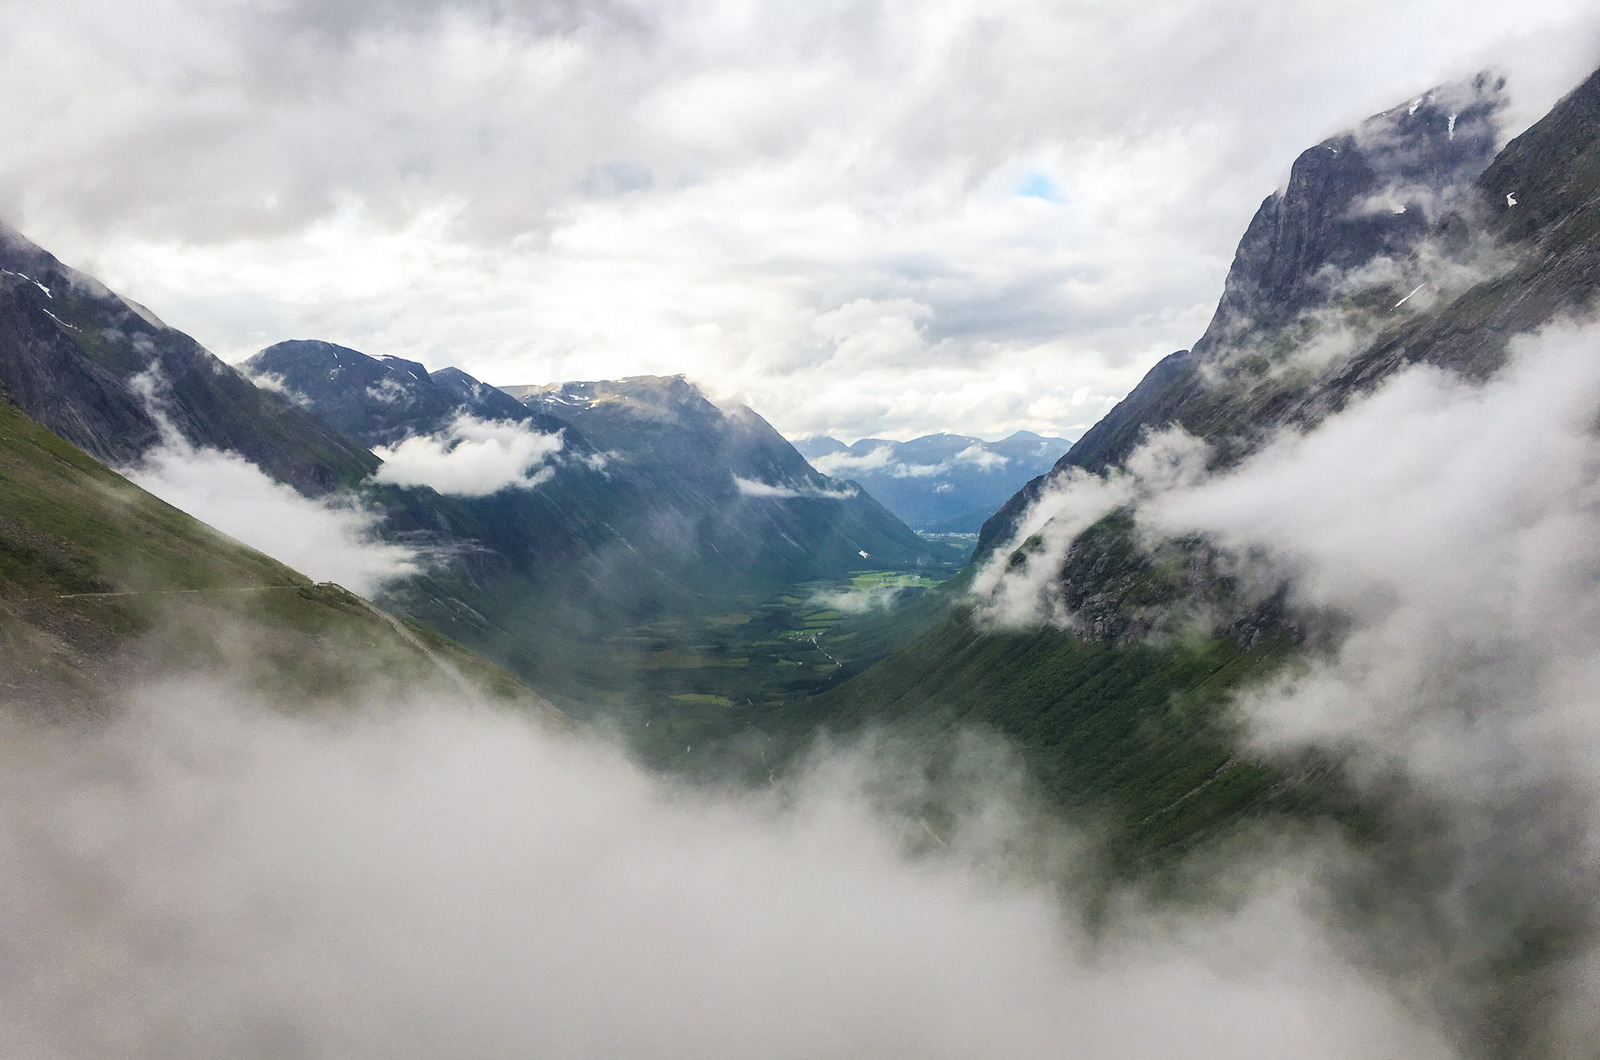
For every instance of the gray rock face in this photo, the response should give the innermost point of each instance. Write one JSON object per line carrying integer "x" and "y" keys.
{"x": 381, "y": 400}
{"x": 1375, "y": 191}
{"x": 44, "y": 371}
{"x": 481, "y": 399}
{"x": 1330, "y": 261}
{"x": 105, "y": 374}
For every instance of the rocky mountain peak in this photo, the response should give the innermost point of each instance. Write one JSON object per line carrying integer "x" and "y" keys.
{"x": 1375, "y": 190}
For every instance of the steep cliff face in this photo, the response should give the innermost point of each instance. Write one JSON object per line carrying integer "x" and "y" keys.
{"x": 45, "y": 372}
{"x": 1406, "y": 240}
{"x": 104, "y": 373}
{"x": 1376, "y": 191}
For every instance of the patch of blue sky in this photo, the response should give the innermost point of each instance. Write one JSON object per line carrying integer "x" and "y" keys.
{"x": 1037, "y": 185}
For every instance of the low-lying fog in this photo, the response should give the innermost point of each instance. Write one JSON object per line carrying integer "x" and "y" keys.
{"x": 206, "y": 876}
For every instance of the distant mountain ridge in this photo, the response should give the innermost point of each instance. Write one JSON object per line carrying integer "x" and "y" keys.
{"x": 942, "y": 483}
{"x": 657, "y": 498}
{"x": 379, "y": 401}
{"x": 734, "y": 463}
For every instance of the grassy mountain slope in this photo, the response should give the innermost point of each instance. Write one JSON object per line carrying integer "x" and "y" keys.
{"x": 100, "y": 582}
{"x": 1131, "y": 736}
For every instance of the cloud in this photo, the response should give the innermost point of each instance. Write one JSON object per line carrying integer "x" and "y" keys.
{"x": 388, "y": 391}
{"x": 754, "y": 488}
{"x": 1018, "y": 585}
{"x": 848, "y": 463}
{"x": 860, "y": 601}
{"x": 329, "y": 539}
{"x": 975, "y": 456}
{"x": 276, "y": 383}
{"x": 207, "y": 875}
{"x": 472, "y": 458}
{"x": 814, "y": 207}
{"x": 883, "y": 458}
{"x": 1454, "y": 526}
{"x": 1440, "y": 540}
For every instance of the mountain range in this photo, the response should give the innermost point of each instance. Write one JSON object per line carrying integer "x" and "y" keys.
{"x": 532, "y": 538}
{"x": 631, "y": 541}
{"x": 939, "y": 483}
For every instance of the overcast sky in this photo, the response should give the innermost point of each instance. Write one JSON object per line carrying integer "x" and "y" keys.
{"x": 863, "y": 218}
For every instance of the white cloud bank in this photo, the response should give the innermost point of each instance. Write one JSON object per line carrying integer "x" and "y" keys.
{"x": 203, "y": 877}
{"x": 331, "y": 539}
{"x": 1442, "y": 538}
{"x": 472, "y": 458}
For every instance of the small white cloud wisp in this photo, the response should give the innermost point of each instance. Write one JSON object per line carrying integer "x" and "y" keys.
{"x": 1018, "y": 586}
{"x": 472, "y": 458}
{"x": 882, "y": 458}
{"x": 749, "y": 487}
{"x": 848, "y": 463}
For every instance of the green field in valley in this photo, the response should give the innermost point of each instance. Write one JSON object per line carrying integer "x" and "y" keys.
{"x": 700, "y": 678}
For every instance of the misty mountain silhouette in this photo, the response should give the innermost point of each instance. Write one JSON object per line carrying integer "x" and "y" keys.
{"x": 942, "y": 483}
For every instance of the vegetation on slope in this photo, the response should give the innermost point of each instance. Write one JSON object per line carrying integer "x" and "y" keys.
{"x": 1137, "y": 737}
{"x": 100, "y": 581}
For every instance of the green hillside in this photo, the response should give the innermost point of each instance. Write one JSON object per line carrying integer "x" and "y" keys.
{"x": 1134, "y": 737}
{"x": 101, "y": 582}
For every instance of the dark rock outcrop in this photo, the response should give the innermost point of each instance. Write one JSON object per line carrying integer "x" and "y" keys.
{"x": 382, "y": 400}
{"x": 106, "y": 374}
